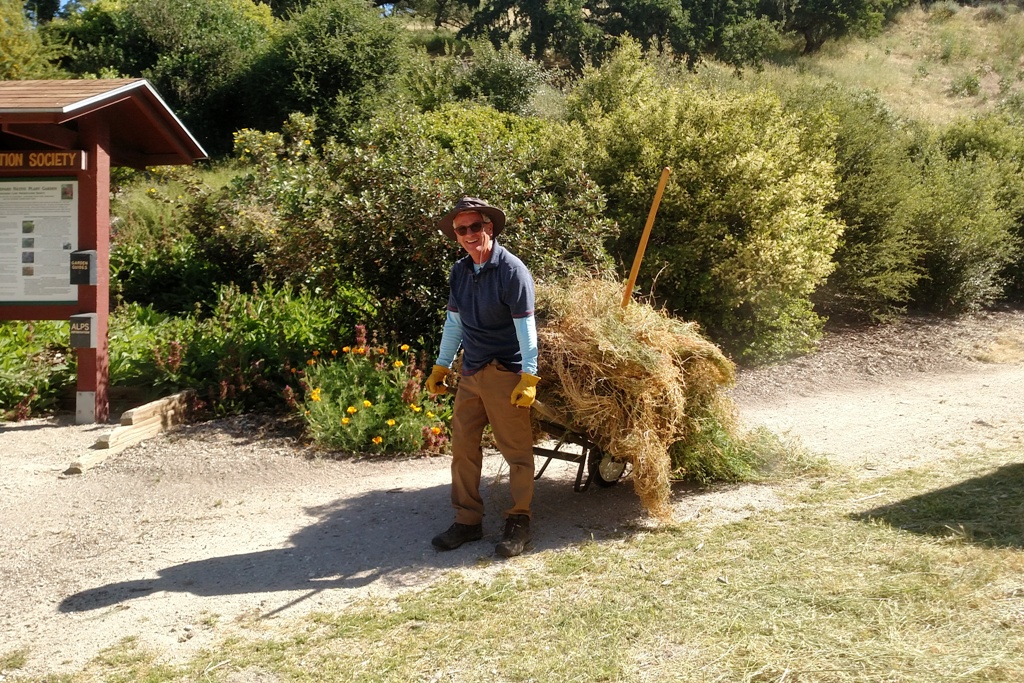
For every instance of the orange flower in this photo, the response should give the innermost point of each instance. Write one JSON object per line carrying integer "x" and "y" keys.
{"x": 316, "y": 353}
{"x": 377, "y": 440}
{"x": 334, "y": 352}
{"x": 435, "y": 430}
{"x": 310, "y": 362}
{"x": 346, "y": 349}
{"x": 404, "y": 347}
{"x": 345, "y": 420}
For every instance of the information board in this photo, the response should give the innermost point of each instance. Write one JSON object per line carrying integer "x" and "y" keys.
{"x": 38, "y": 232}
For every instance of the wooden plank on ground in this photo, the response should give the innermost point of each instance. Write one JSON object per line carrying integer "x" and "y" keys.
{"x": 136, "y": 425}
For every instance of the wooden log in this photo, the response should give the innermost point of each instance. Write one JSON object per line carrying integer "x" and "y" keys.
{"x": 177, "y": 402}
{"x": 135, "y": 426}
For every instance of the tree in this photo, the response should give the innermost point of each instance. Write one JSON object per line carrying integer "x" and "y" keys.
{"x": 196, "y": 53}
{"x": 41, "y": 11}
{"x": 819, "y": 20}
{"x": 23, "y": 54}
{"x": 336, "y": 59}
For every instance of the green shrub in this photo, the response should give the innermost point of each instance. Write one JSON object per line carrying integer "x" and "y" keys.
{"x": 943, "y": 11}
{"x": 336, "y": 59}
{"x": 357, "y": 222}
{"x": 242, "y": 356}
{"x": 369, "y": 399}
{"x": 999, "y": 138}
{"x": 965, "y": 85}
{"x": 878, "y": 258}
{"x": 743, "y": 234}
{"x": 36, "y": 363}
{"x": 196, "y": 54}
{"x": 504, "y": 79}
{"x": 968, "y": 237}
{"x": 992, "y": 12}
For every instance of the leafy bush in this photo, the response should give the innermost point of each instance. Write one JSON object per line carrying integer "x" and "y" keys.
{"x": 36, "y": 363}
{"x": 878, "y": 258}
{"x": 367, "y": 399}
{"x": 196, "y": 53}
{"x": 336, "y": 59}
{"x": 359, "y": 220}
{"x": 944, "y": 10}
{"x": 998, "y": 138}
{"x": 241, "y": 357}
{"x": 967, "y": 236}
{"x": 504, "y": 79}
{"x": 965, "y": 85}
{"x": 743, "y": 233}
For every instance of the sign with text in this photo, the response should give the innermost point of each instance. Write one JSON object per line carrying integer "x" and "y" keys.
{"x": 42, "y": 160}
{"x": 38, "y": 232}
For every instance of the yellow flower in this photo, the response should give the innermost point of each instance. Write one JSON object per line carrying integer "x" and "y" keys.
{"x": 367, "y": 404}
{"x": 351, "y": 410}
{"x": 399, "y": 363}
{"x": 415, "y": 408}
{"x": 430, "y": 414}
{"x": 315, "y": 394}
{"x": 391, "y": 423}
{"x": 435, "y": 430}
{"x": 377, "y": 440}
{"x": 345, "y": 420}
{"x": 359, "y": 350}
{"x": 404, "y": 347}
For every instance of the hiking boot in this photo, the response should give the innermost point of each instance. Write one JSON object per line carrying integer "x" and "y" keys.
{"x": 458, "y": 534}
{"x": 516, "y": 537}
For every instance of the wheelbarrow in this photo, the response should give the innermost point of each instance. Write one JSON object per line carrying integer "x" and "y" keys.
{"x": 600, "y": 467}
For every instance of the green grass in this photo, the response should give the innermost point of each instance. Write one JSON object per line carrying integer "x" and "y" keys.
{"x": 910, "y": 577}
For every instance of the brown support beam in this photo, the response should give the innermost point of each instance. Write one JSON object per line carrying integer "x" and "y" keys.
{"x": 46, "y": 133}
{"x": 92, "y": 402}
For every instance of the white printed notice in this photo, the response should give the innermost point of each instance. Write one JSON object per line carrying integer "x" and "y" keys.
{"x": 38, "y": 232}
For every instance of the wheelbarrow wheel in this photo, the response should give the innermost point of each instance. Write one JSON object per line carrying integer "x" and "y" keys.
{"x": 607, "y": 470}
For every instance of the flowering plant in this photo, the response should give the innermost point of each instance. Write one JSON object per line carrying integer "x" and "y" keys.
{"x": 366, "y": 398}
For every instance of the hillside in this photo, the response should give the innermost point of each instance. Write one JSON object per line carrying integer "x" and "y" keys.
{"x": 932, "y": 65}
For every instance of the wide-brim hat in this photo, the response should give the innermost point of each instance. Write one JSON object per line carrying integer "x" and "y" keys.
{"x": 496, "y": 215}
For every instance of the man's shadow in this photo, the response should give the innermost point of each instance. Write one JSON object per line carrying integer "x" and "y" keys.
{"x": 986, "y": 511}
{"x": 381, "y": 535}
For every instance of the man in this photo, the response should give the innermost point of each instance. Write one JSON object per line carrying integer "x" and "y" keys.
{"x": 491, "y": 316}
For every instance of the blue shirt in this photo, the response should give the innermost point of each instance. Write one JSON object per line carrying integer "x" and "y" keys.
{"x": 487, "y": 304}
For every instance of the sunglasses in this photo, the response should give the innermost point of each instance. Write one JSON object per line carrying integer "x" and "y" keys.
{"x": 474, "y": 228}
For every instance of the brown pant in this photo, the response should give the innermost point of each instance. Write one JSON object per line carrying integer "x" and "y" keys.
{"x": 485, "y": 397}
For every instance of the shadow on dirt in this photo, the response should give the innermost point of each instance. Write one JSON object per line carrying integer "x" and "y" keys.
{"x": 986, "y": 511}
{"x": 381, "y": 536}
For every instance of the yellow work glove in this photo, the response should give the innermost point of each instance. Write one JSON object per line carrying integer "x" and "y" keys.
{"x": 435, "y": 383}
{"x": 525, "y": 392}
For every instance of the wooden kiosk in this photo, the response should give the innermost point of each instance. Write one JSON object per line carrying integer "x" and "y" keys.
{"x": 58, "y": 141}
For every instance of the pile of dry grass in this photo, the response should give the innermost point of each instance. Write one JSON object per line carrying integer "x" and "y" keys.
{"x": 636, "y": 381}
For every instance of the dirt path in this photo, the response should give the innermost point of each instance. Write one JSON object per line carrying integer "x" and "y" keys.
{"x": 224, "y": 526}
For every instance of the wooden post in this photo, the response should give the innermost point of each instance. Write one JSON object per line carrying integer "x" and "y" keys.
{"x": 92, "y": 402}
{"x": 643, "y": 238}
